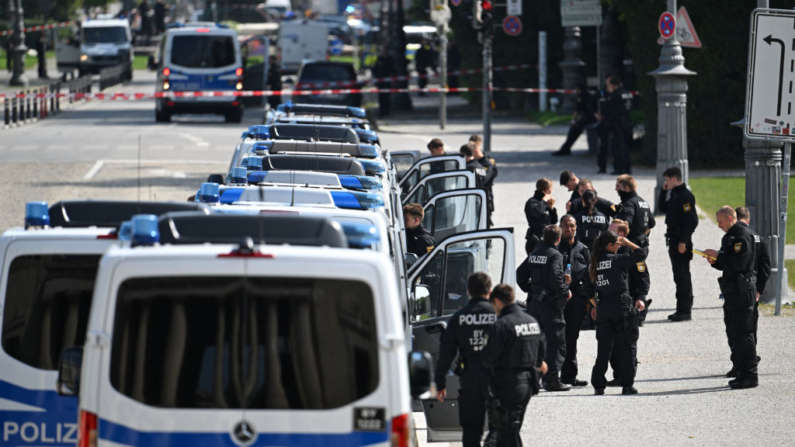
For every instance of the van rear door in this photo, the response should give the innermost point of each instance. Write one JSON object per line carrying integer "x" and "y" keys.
{"x": 428, "y": 166}
{"x": 434, "y": 184}
{"x": 455, "y": 212}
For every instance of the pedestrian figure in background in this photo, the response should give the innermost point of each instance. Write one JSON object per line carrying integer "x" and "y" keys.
{"x": 424, "y": 58}
{"x": 146, "y": 21}
{"x": 160, "y": 17}
{"x": 615, "y": 115}
{"x": 737, "y": 260}
{"x": 466, "y": 335}
{"x": 590, "y": 221}
{"x": 616, "y": 314}
{"x": 540, "y": 212}
{"x": 762, "y": 265}
{"x": 41, "y": 49}
{"x": 9, "y": 47}
{"x": 515, "y": 350}
{"x": 681, "y": 221}
{"x": 584, "y": 115}
{"x": 383, "y": 70}
{"x": 453, "y": 64}
{"x": 274, "y": 81}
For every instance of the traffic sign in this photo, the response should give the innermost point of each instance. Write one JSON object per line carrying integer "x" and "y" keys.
{"x": 455, "y": 2}
{"x": 514, "y": 7}
{"x": 769, "y": 111}
{"x": 581, "y": 13}
{"x": 336, "y": 47}
{"x": 685, "y": 31}
{"x": 667, "y": 25}
{"x": 512, "y": 25}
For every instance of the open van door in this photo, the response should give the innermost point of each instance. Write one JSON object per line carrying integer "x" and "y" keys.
{"x": 254, "y": 53}
{"x": 438, "y": 289}
{"x": 455, "y": 212}
{"x": 429, "y": 166}
{"x": 403, "y": 160}
{"x": 434, "y": 184}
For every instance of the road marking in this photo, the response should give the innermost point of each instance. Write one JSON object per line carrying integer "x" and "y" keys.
{"x": 94, "y": 169}
{"x": 194, "y": 139}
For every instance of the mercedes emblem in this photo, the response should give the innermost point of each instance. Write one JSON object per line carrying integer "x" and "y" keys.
{"x": 244, "y": 433}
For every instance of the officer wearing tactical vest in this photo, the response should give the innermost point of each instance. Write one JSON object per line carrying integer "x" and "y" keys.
{"x": 465, "y": 334}
{"x": 635, "y": 211}
{"x": 762, "y": 267}
{"x": 737, "y": 259}
{"x": 681, "y": 221}
{"x": 540, "y": 212}
{"x": 418, "y": 240}
{"x": 542, "y": 275}
{"x": 616, "y": 311}
{"x": 577, "y": 255}
{"x": 515, "y": 350}
{"x": 590, "y": 221}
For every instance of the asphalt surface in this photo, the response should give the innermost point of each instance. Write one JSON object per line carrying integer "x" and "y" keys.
{"x": 92, "y": 151}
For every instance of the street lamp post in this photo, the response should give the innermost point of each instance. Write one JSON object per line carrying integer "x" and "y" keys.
{"x": 19, "y": 50}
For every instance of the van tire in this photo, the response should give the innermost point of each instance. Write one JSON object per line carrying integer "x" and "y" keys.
{"x": 234, "y": 116}
{"x": 162, "y": 117}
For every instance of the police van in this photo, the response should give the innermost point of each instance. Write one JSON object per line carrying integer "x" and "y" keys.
{"x": 46, "y": 288}
{"x": 198, "y": 57}
{"x": 199, "y": 342}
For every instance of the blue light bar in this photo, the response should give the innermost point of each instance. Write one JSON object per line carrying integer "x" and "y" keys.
{"x": 144, "y": 230}
{"x": 368, "y": 150}
{"x": 354, "y": 200}
{"x": 239, "y": 176}
{"x": 261, "y": 146}
{"x": 367, "y": 136}
{"x": 360, "y": 235}
{"x": 259, "y": 132}
{"x": 359, "y": 182}
{"x": 252, "y": 163}
{"x": 231, "y": 196}
{"x": 37, "y": 214}
{"x": 373, "y": 167}
{"x": 209, "y": 193}
{"x": 256, "y": 177}
{"x": 358, "y": 112}
{"x": 125, "y": 231}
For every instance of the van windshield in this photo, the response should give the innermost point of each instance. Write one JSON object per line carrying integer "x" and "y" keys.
{"x": 203, "y": 51}
{"x": 326, "y": 73}
{"x": 110, "y": 34}
{"x": 48, "y": 298}
{"x": 232, "y": 342}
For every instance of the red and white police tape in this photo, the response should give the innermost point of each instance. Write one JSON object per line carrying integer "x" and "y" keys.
{"x": 40, "y": 27}
{"x": 257, "y": 93}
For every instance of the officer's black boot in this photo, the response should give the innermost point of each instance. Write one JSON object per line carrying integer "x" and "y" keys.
{"x": 744, "y": 382}
{"x": 629, "y": 389}
{"x": 556, "y": 385}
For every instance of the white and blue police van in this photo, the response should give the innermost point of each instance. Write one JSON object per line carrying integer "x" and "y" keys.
{"x": 198, "y": 57}
{"x": 46, "y": 288}
{"x": 198, "y": 341}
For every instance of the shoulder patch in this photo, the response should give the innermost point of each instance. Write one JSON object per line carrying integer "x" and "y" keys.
{"x": 686, "y": 207}
{"x": 738, "y": 246}
{"x": 429, "y": 248}
{"x": 641, "y": 267}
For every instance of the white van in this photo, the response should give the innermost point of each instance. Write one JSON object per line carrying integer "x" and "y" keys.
{"x": 301, "y": 40}
{"x": 46, "y": 287}
{"x": 244, "y": 345}
{"x": 105, "y": 43}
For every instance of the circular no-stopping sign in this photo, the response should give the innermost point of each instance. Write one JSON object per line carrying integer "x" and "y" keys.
{"x": 455, "y": 2}
{"x": 667, "y": 25}
{"x": 512, "y": 25}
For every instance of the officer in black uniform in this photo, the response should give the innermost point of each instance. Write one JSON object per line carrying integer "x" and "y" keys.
{"x": 633, "y": 210}
{"x": 383, "y": 70}
{"x": 274, "y": 81}
{"x": 737, "y": 259}
{"x": 540, "y": 212}
{"x": 616, "y": 118}
{"x": 542, "y": 276}
{"x": 418, "y": 240}
{"x": 465, "y": 334}
{"x": 762, "y": 264}
{"x": 617, "y": 325}
{"x": 681, "y": 221}
{"x": 515, "y": 350}
{"x": 468, "y": 152}
{"x": 490, "y": 165}
{"x": 590, "y": 221}
{"x": 576, "y": 255}
{"x": 572, "y": 183}
{"x": 604, "y": 206}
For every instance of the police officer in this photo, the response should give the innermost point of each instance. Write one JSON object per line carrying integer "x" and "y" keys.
{"x": 542, "y": 276}
{"x": 577, "y": 255}
{"x": 418, "y": 240}
{"x": 572, "y": 183}
{"x": 681, "y": 221}
{"x": 515, "y": 350}
{"x": 468, "y": 152}
{"x": 274, "y": 81}
{"x": 490, "y": 165}
{"x": 619, "y": 126}
{"x": 737, "y": 258}
{"x": 383, "y": 70}
{"x": 762, "y": 263}
{"x": 465, "y": 334}
{"x": 617, "y": 325}
{"x": 540, "y": 212}
{"x": 604, "y": 206}
{"x": 590, "y": 221}
{"x": 635, "y": 211}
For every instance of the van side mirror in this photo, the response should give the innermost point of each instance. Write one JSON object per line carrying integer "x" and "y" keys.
{"x": 69, "y": 367}
{"x": 420, "y": 373}
{"x": 409, "y": 259}
{"x": 150, "y": 63}
{"x": 216, "y": 178}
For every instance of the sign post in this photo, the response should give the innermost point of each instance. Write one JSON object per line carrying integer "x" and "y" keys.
{"x": 769, "y": 113}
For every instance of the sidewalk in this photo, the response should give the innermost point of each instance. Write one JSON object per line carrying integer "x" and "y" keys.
{"x": 32, "y": 75}
{"x": 684, "y": 397}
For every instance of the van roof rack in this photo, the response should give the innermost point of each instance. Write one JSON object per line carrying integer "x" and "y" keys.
{"x": 180, "y": 228}
{"x": 111, "y": 213}
{"x": 324, "y": 109}
{"x": 311, "y": 148}
{"x": 316, "y": 132}
{"x": 309, "y": 162}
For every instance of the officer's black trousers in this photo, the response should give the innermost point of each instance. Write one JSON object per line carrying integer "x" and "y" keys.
{"x": 472, "y": 398}
{"x": 680, "y": 263}
{"x": 573, "y": 314}
{"x": 740, "y": 328}
{"x": 513, "y": 389}
{"x": 611, "y": 336}
{"x": 553, "y": 324}
{"x": 384, "y": 103}
{"x": 575, "y": 130}
{"x": 620, "y": 149}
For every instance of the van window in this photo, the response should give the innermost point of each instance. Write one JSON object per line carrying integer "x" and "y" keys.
{"x": 48, "y": 299}
{"x": 203, "y": 51}
{"x": 111, "y": 34}
{"x": 326, "y": 73}
{"x": 231, "y": 342}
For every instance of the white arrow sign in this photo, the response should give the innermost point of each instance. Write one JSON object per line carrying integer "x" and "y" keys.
{"x": 771, "y": 76}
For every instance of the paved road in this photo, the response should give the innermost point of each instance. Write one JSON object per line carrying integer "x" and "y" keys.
{"x": 92, "y": 151}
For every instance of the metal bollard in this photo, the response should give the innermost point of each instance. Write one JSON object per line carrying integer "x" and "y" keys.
{"x": 14, "y": 110}
{"x": 57, "y": 107}
{"x": 6, "y": 111}
{"x": 35, "y": 100}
